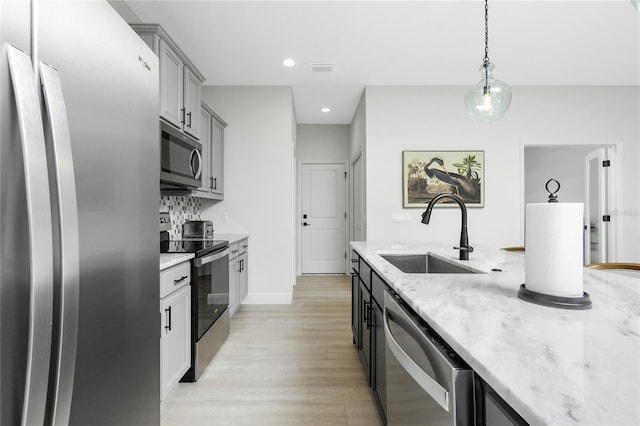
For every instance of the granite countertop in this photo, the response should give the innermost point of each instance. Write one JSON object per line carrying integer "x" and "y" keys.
{"x": 232, "y": 238}
{"x": 553, "y": 366}
{"x": 168, "y": 260}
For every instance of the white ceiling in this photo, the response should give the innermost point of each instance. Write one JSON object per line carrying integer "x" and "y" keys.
{"x": 536, "y": 42}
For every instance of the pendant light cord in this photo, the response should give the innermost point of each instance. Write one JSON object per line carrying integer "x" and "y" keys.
{"x": 485, "y": 62}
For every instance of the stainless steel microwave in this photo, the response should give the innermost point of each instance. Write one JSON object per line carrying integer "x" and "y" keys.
{"x": 180, "y": 159}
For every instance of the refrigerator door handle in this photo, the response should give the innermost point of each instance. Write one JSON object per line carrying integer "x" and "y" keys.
{"x": 40, "y": 235}
{"x": 59, "y": 146}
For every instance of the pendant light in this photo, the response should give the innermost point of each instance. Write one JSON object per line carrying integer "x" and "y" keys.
{"x": 490, "y": 98}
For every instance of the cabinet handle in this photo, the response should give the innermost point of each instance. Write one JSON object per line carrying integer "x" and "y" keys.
{"x": 179, "y": 280}
{"x": 189, "y": 115}
{"x": 366, "y": 314}
{"x": 183, "y": 111}
{"x": 240, "y": 266}
{"x": 211, "y": 182}
{"x": 215, "y": 183}
{"x": 371, "y": 317}
{"x": 242, "y": 263}
{"x": 234, "y": 251}
{"x": 168, "y": 312}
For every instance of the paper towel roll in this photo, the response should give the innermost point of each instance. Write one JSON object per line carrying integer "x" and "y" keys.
{"x": 553, "y": 256}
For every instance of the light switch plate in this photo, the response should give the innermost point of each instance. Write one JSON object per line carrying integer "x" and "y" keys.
{"x": 400, "y": 217}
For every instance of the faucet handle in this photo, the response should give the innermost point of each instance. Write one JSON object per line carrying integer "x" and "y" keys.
{"x": 468, "y": 249}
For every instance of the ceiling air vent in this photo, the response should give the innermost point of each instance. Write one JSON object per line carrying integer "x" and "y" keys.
{"x": 321, "y": 67}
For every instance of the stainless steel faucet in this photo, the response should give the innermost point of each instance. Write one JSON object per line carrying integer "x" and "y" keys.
{"x": 464, "y": 248}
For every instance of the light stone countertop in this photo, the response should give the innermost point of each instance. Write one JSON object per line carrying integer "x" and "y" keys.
{"x": 232, "y": 238}
{"x": 553, "y": 366}
{"x": 168, "y": 260}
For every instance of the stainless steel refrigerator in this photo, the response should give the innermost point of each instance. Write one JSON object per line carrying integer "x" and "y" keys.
{"x": 79, "y": 173}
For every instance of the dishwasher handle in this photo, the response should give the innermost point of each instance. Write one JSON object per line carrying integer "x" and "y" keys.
{"x": 426, "y": 382}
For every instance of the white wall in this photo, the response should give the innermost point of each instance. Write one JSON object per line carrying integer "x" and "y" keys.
{"x": 259, "y": 189}
{"x": 564, "y": 164}
{"x": 433, "y": 118}
{"x": 323, "y": 143}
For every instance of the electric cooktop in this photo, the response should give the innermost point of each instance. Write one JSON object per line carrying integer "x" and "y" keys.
{"x": 199, "y": 247}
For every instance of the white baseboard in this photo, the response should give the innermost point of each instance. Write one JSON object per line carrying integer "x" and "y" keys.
{"x": 268, "y": 299}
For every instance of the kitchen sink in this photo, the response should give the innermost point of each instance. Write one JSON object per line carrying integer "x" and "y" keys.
{"x": 425, "y": 264}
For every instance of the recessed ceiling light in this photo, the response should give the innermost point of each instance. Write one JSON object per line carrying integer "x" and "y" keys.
{"x": 325, "y": 109}
{"x": 288, "y": 62}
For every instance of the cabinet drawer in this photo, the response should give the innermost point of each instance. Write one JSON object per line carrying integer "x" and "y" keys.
{"x": 377, "y": 289}
{"x": 234, "y": 250}
{"x": 365, "y": 274}
{"x": 243, "y": 246}
{"x": 174, "y": 278}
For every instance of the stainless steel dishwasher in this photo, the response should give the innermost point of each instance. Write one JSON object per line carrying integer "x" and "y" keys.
{"x": 427, "y": 383}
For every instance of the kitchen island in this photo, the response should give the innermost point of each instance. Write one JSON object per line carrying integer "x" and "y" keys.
{"x": 552, "y": 366}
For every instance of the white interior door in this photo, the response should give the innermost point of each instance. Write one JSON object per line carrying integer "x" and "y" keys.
{"x": 323, "y": 218}
{"x": 597, "y": 220}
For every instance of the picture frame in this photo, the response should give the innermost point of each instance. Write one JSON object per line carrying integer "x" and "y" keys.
{"x": 426, "y": 174}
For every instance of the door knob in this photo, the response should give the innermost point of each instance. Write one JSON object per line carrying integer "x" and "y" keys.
{"x": 306, "y": 224}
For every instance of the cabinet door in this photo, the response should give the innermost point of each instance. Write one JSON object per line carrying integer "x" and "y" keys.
{"x": 191, "y": 103}
{"x": 365, "y": 325}
{"x": 217, "y": 157}
{"x": 243, "y": 277}
{"x": 175, "y": 341}
{"x": 171, "y": 86}
{"x": 355, "y": 309}
{"x": 378, "y": 359}
{"x": 205, "y": 140}
{"x": 233, "y": 285}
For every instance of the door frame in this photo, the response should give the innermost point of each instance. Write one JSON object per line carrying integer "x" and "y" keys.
{"x": 600, "y": 154}
{"x": 615, "y": 152}
{"x": 298, "y": 221}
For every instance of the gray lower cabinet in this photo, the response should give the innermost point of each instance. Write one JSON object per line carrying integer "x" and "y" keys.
{"x": 238, "y": 274}
{"x": 368, "y": 330}
{"x": 175, "y": 338}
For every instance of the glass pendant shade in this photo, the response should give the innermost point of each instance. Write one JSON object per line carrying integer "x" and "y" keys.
{"x": 490, "y": 98}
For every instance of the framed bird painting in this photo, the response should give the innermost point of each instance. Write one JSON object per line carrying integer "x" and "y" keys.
{"x": 426, "y": 174}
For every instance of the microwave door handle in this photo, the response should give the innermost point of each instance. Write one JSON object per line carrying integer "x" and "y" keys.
{"x": 426, "y": 382}
{"x": 60, "y": 147}
{"x": 196, "y": 173}
{"x": 40, "y": 236}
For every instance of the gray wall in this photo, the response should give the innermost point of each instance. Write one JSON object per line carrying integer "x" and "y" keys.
{"x": 564, "y": 164}
{"x": 433, "y": 118}
{"x": 322, "y": 143}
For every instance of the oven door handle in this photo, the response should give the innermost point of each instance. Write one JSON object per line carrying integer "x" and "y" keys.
{"x": 211, "y": 258}
{"x": 426, "y": 382}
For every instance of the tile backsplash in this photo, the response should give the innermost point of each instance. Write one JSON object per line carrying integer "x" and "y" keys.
{"x": 180, "y": 209}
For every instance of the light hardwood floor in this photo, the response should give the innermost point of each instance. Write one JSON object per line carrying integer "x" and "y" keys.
{"x": 283, "y": 365}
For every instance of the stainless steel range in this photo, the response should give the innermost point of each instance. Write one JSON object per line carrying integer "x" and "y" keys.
{"x": 209, "y": 296}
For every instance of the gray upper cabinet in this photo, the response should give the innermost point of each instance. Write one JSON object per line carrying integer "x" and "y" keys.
{"x": 191, "y": 103}
{"x": 212, "y": 139}
{"x": 180, "y": 80}
{"x": 217, "y": 155}
{"x": 171, "y": 84}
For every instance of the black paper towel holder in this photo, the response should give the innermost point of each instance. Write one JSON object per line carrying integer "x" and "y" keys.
{"x": 575, "y": 303}
{"x": 553, "y": 197}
